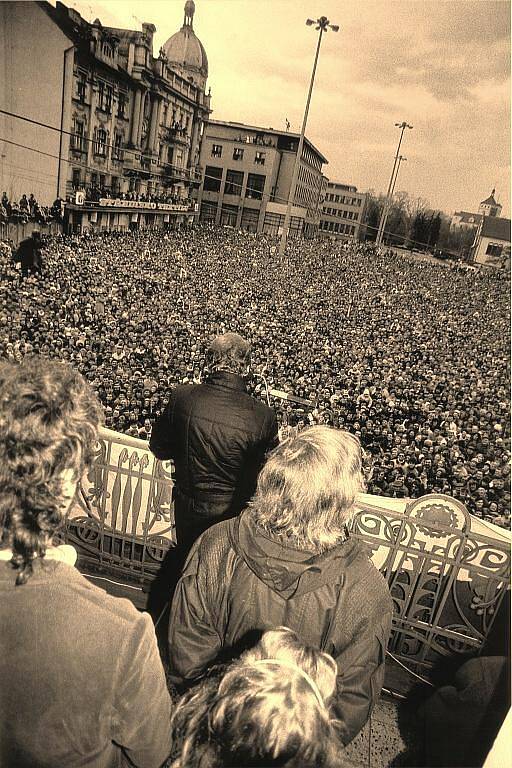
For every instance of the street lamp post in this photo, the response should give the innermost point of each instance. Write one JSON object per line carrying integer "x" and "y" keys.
{"x": 401, "y": 159}
{"x": 323, "y": 25}
{"x": 392, "y": 179}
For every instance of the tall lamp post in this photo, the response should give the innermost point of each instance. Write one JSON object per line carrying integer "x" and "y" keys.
{"x": 401, "y": 159}
{"x": 323, "y": 25}
{"x": 392, "y": 178}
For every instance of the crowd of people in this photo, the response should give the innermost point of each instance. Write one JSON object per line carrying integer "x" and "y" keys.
{"x": 97, "y": 192}
{"x": 411, "y": 356}
{"x": 28, "y": 209}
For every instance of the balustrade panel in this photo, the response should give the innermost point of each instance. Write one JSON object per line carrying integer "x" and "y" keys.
{"x": 447, "y": 571}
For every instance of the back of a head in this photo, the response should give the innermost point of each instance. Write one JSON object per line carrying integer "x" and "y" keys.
{"x": 229, "y": 352}
{"x": 307, "y": 488}
{"x": 49, "y": 419}
{"x": 269, "y": 709}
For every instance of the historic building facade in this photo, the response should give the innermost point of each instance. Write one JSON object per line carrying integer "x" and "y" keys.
{"x": 131, "y": 124}
{"x": 465, "y": 220}
{"x": 247, "y": 179}
{"x": 492, "y": 243}
{"x": 343, "y": 212}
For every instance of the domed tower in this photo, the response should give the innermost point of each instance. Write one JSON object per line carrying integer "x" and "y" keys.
{"x": 185, "y": 52}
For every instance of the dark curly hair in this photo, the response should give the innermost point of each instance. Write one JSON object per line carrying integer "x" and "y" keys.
{"x": 49, "y": 418}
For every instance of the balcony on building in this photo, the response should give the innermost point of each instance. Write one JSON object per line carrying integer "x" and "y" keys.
{"x": 448, "y": 572}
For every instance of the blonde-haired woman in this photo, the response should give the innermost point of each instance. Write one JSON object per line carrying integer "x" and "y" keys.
{"x": 288, "y": 560}
{"x": 270, "y": 708}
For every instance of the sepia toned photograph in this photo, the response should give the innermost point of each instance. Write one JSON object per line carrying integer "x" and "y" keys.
{"x": 255, "y": 333}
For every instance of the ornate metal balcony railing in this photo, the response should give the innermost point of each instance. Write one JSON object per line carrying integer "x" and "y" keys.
{"x": 122, "y": 521}
{"x": 447, "y": 571}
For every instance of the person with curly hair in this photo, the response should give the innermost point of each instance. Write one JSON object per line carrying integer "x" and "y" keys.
{"x": 269, "y": 708}
{"x": 81, "y": 681}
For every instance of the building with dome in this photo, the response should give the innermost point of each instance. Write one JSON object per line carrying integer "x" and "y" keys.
{"x": 185, "y": 53}
{"x": 117, "y": 131}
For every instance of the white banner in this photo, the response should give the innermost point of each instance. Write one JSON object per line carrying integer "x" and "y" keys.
{"x": 108, "y": 202}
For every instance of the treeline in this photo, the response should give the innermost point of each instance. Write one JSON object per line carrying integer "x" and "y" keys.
{"x": 412, "y": 223}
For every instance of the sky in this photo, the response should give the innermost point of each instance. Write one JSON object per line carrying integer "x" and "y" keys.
{"x": 444, "y": 67}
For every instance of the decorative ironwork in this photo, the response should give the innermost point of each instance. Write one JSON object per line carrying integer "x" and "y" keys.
{"x": 447, "y": 579}
{"x": 447, "y": 572}
{"x": 123, "y": 519}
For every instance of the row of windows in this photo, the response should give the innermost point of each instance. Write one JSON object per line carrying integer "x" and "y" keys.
{"x": 342, "y": 214}
{"x": 259, "y": 159}
{"x": 105, "y": 95}
{"x": 336, "y": 226}
{"x": 309, "y": 177}
{"x": 234, "y": 182}
{"x": 305, "y": 195}
{"x": 100, "y": 142}
{"x": 311, "y": 158}
{"x": 78, "y": 180}
{"x": 238, "y": 154}
{"x": 178, "y": 118}
{"x": 344, "y": 199}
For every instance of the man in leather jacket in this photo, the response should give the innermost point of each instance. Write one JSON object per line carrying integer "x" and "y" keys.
{"x": 218, "y": 436}
{"x": 288, "y": 560}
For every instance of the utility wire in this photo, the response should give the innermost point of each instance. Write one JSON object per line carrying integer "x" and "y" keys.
{"x": 137, "y": 153}
{"x": 93, "y": 141}
{"x": 134, "y": 152}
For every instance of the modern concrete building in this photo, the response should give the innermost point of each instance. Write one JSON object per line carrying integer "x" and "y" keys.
{"x": 247, "y": 178}
{"x": 492, "y": 242}
{"x": 343, "y": 212}
{"x": 98, "y": 116}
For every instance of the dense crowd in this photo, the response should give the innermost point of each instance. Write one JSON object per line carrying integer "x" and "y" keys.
{"x": 410, "y": 355}
{"x": 28, "y": 209}
{"x": 97, "y": 192}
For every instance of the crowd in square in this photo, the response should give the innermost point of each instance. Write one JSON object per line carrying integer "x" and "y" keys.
{"x": 411, "y": 356}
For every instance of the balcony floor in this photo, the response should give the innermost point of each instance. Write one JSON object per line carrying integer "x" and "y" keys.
{"x": 386, "y": 740}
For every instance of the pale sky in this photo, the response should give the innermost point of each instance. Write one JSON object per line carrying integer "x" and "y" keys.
{"x": 444, "y": 67}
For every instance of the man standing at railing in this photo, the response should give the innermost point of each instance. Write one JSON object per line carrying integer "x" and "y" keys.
{"x": 217, "y": 435}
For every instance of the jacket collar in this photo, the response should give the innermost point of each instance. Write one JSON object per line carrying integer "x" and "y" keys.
{"x": 227, "y": 380}
{"x": 288, "y": 571}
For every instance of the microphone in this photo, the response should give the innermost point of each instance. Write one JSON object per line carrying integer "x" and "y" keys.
{"x": 279, "y": 393}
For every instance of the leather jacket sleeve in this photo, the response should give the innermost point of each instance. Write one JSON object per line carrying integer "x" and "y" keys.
{"x": 272, "y": 433}
{"x": 193, "y": 640}
{"x": 358, "y": 688}
{"x": 161, "y": 443}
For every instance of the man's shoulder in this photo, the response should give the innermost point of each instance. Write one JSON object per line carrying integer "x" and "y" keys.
{"x": 94, "y": 601}
{"x": 264, "y": 411}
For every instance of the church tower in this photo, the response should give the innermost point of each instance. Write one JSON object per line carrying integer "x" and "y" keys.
{"x": 490, "y": 207}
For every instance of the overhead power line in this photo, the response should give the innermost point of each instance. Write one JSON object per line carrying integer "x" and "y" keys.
{"x": 135, "y": 153}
